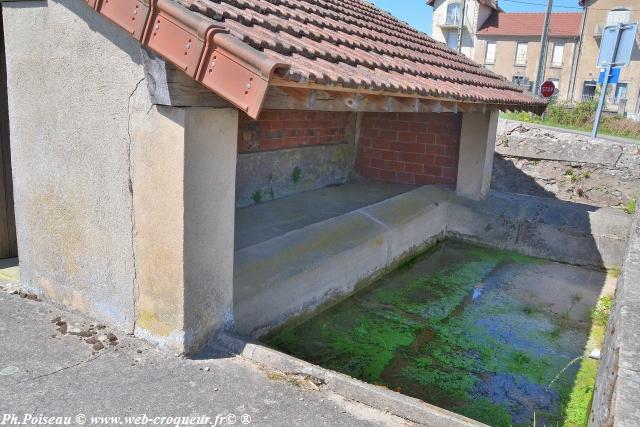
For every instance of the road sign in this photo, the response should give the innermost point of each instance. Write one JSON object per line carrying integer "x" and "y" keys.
{"x": 615, "y": 51}
{"x": 547, "y": 89}
{"x": 613, "y": 77}
{"x": 621, "y": 35}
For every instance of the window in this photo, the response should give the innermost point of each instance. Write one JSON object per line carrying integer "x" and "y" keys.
{"x": 521, "y": 54}
{"x": 490, "y": 55}
{"x": 453, "y": 14}
{"x": 558, "y": 55}
{"x": 523, "y": 82}
{"x": 452, "y": 39}
{"x": 621, "y": 92}
{"x": 618, "y": 16}
{"x": 589, "y": 90}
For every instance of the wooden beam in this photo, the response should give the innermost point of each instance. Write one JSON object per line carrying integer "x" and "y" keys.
{"x": 170, "y": 86}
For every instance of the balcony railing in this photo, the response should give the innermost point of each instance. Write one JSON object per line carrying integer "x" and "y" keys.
{"x": 450, "y": 21}
{"x": 598, "y": 30}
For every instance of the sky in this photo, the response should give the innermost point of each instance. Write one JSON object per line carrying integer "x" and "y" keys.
{"x": 418, "y": 14}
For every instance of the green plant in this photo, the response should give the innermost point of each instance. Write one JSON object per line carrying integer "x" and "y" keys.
{"x": 631, "y": 206}
{"x": 296, "y": 174}
{"x": 257, "y": 196}
{"x": 600, "y": 314}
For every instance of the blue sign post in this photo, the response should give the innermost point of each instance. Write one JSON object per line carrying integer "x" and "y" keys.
{"x": 613, "y": 78}
{"x": 615, "y": 51}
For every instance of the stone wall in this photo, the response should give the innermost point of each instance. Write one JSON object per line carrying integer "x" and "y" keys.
{"x": 409, "y": 148}
{"x": 287, "y": 152}
{"x": 616, "y": 399}
{"x": 548, "y": 163}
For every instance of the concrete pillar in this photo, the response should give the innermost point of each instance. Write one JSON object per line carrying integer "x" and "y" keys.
{"x": 183, "y": 181}
{"x": 477, "y": 145}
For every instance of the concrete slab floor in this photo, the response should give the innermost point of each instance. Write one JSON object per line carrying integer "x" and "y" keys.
{"x": 44, "y": 372}
{"x": 264, "y": 221}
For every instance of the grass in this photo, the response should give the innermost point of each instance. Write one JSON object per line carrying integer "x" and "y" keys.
{"x": 581, "y": 118}
{"x": 578, "y": 403}
{"x": 631, "y": 206}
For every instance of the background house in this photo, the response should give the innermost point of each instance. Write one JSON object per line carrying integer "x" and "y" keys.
{"x": 624, "y": 96}
{"x": 446, "y": 22}
{"x": 509, "y": 44}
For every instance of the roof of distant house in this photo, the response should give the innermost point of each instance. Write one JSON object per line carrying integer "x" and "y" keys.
{"x": 531, "y": 24}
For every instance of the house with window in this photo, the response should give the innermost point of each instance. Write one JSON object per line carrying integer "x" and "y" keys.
{"x": 509, "y": 43}
{"x": 447, "y": 19}
{"x": 623, "y": 97}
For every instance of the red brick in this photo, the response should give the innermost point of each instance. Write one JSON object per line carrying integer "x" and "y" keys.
{"x": 446, "y": 161}
{"x": 390, "y": 155}
{"x": 379, "y": 164}
{"x": 412, "y": 148}
{"x": 405, "y": 178}
{"x": 433, "y": 171}
{"x": 414, "y": 167}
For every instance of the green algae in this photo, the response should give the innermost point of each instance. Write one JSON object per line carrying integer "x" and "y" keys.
{"x": 419, "y": 331}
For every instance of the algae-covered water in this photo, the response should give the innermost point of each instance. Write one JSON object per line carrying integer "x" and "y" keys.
{"x": 476, "y": 331}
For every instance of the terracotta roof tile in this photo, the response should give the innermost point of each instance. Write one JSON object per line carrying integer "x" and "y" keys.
{"x": 354, "y": 44}
{"x": 532, "y": 24}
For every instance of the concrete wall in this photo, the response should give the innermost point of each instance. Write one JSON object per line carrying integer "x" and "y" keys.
{"x": 125, "y": 211}
{"x": 296, "y": 273}
{"x": 616, "y": 399}
{"x": 70, "y": 77}
{"x": 287, "y": 152}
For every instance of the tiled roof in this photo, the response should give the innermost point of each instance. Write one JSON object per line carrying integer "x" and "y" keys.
{"x": 531, "y": 24}
{"x": 353, "y": 44}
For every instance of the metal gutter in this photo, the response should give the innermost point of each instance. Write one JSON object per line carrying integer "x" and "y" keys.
{"x": 199, "y": 46}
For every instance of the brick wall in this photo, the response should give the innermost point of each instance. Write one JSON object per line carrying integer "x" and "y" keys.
{"x": 409, "y": 148}
{"x": 277, "y": 130}
{"x": 287, "y": 152}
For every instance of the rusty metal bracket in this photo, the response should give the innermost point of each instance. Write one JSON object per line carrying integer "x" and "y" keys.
{"x": 131, "y": 15}
{"x": 178, "y": 34}
{"x": 236, "y": 72}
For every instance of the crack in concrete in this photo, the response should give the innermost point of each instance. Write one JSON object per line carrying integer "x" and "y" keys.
{"x": 136, "y": 291}
{"x": 82, "y": 362}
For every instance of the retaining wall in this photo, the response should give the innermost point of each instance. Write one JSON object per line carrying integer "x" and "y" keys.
{"x": 552, "y": 163}
{"x": 616, "y": 399}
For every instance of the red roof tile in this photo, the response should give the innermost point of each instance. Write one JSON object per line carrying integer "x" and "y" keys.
{"x": 531, "y": 24}
{"x": 352, "y": 43}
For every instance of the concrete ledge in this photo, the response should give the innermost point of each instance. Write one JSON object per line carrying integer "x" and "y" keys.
{"x": 541, "y": 227}
{"x": 395, "y": 403}
{"x": 302, "y": 269}
{"x": 616, "y": 399}
{"x": 296, "y": 273}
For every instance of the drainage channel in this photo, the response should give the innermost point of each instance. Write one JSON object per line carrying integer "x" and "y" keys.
{"x": 484, "y": 333}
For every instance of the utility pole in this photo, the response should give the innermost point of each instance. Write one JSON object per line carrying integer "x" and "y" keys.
{"x": 461, "y": 26}
{"x": 542, "y": 62}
